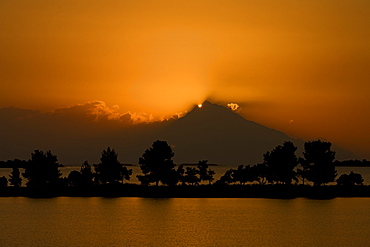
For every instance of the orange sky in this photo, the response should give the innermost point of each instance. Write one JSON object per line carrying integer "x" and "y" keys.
{"x": 302, "y": 67}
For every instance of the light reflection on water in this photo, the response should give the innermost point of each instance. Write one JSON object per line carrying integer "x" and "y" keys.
{"x": 67, "y": 221}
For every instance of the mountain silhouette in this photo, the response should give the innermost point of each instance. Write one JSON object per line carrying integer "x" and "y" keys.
{"x": 221, "y": 136}
{"x": 212, "y": 132}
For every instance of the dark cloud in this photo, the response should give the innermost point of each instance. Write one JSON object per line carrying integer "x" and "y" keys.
{"x": 75, "y": 132}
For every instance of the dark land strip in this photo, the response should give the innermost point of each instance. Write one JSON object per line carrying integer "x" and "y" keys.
{"x": 201, "y": 191}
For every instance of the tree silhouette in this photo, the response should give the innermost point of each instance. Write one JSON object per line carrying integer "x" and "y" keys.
{"x": 259, "y": 173}
{"x": 302, "y": 173}
{"x": 281, "y": 162}
{"x": 15, "y": 177}
{"x": 110, "y": 170}
{"x": 13, "y": 163}
{"x": 243, "y": 174}
{"x": 318, "y": 162}
{"x": 226, "y": 179}
{"x": 42, "y": 169}
{"x": 353, "y": 163}
{"x": 145, "y": 179}
{"x": 205, "y": 174}
{"x": 170, "y": 178}
{"x": 180, "y": 174}
{"x": 86, "y": 174}
{"x": 191, "y": 176}
{"x": 350, "y": 179}
{"x": 156, "y": 163}
{"x": 84, "y": 177}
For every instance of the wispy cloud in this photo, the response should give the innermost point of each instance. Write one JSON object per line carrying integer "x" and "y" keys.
{"x": 233, "y": 106}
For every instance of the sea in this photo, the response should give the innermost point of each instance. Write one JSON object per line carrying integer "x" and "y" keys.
{"x": 131, "y": 221}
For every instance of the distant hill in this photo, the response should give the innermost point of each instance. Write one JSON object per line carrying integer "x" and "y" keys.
{"x": 218, "y": 134}
{"x": 212, "y": 132}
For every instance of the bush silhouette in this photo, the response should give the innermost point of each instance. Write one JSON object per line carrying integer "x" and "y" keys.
{"x": 74, "y": 178}
{"x": 3, "y": 182}
{"x": 350, "y": 179}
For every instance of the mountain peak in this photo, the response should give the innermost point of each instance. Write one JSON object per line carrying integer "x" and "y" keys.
{"x": 209, "y": 106}
{"x": 219, "y": 134}
{"x": 206, "y": 103}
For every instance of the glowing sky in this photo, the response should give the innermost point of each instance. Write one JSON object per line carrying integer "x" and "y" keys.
{"x": 302, "y": 67}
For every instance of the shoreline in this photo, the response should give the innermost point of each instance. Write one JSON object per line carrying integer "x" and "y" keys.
{"x": 201, "y": 191}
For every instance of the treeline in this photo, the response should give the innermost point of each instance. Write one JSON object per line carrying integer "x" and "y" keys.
{"x": 16, "y": 163}
{"x": 353, "y": 163}
{"x": 280, "y": 166}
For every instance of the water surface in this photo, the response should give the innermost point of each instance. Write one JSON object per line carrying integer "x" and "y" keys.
{"x": 67, "y": 221}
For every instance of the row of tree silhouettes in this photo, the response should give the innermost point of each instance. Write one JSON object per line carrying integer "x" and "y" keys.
{"x": 279, "y": 166}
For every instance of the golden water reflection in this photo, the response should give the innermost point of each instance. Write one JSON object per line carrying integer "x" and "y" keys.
{"x": 184, "y": 222}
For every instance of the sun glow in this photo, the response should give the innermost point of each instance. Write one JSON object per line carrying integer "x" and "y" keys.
{"x": 200, "y": 106}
